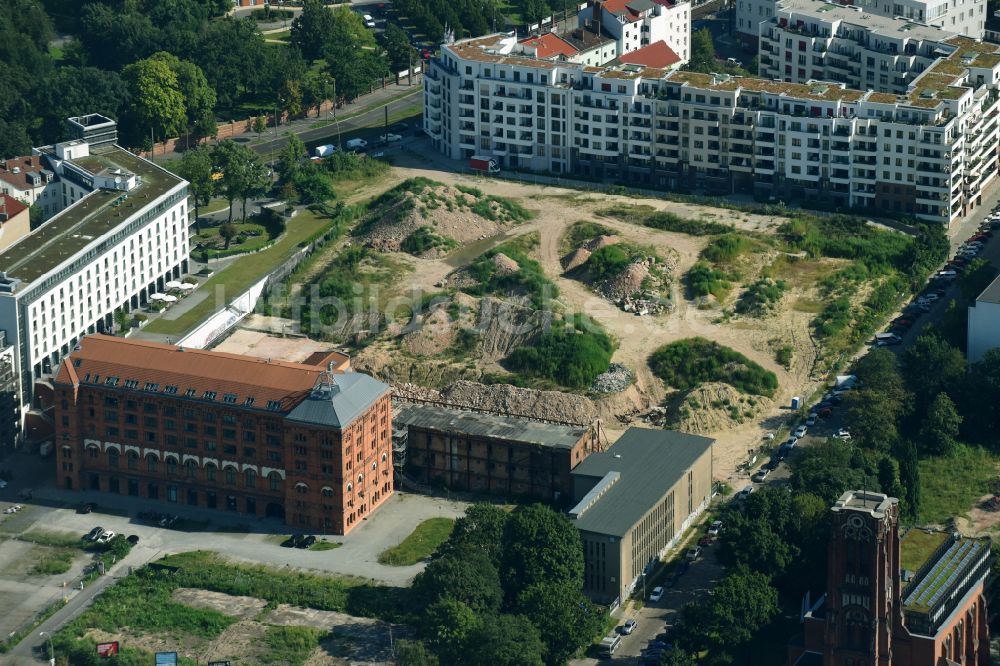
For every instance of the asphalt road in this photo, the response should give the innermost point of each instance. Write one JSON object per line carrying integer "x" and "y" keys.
{"x": 354, "y": 127}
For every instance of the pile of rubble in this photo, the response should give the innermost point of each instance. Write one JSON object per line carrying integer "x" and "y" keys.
{"x": 645, "y": 306}
{"x": 615, "y": 379}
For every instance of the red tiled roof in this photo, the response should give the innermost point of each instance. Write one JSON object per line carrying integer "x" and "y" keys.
{"x": 25, "y": 164}
{"x": 103, "y": 356}
{"x": 10, "y": 205}
{"x": 658, "y": 55}
{"x": 550, "y": 45}
{"x": 619, "y": 7}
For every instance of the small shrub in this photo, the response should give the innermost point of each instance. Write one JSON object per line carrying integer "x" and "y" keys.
{"x": 571, "y": 353}
{"x": 425, "y": 239}
{"x": 705, "y": 280}
{"x": 665, "y": 221}
{"x": 690, "y": 362}
{"x": 761, "y": 296}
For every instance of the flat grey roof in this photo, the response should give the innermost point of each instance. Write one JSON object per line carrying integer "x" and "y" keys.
{"x": 91, "y": 217}
{"x": 650, "y": 462}
{"x": 488, "y": 426}
{"x": 992, "y": 292}
{"x": 875, "y": 23}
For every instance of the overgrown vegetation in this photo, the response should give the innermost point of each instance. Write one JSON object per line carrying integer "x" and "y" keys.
{"x": 649, "y": 217}
{"x": 727, "y": 248}
{"x": 687, "y": 363}
{"x": 572, "y": 352}
{"x": 290, "y": 646}
{"x": 528, "y": 280}
{"x": 703, "y": 280}
{"x": 425, "y": 239}
{"x": 582, "y": 231}
{"x": 760, "y": 297}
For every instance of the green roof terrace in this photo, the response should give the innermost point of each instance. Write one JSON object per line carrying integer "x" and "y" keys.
{"x": 947, "y": 559}
{"x": 90, "y": 218}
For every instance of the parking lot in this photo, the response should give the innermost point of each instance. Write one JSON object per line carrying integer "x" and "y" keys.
{"x": 236, "y": 536}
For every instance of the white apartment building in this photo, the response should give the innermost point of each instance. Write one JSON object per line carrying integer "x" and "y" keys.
{"x": 120, "y": 237}
{"x": 927, "y": 153}
{"x": 813, "y": 40}
{"x": 963, "y": 17}
{"x": 984, "y": 323}
{"x": 634, "y": 24}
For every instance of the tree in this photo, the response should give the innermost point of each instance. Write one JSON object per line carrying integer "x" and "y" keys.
{"x": 156, "y": 102}
{"x": 468, "y": 577}
{"x": 702, "y": 52}
{"x": 939, "y": 429}
{"x": 413, "y": 653}
{"x": 753, "y": 543}
{"x": 445, "y": 626}
{"x": 291, "y": 157}
{"x": 931, "y": 366}
{"x": 482, "y": 529}
{"x": 195, "y": 166}
{"x": 909, "y": 479}
{"x": 312, "y": 185}
{"x": 122, "y": 319}
{"x": 317, "y": 87}
{"x": 290, "y": 98}
{"x": 74, "y": 91}
{"x": 677, "y": 657}
{"x": 243, "y": 174}
{"x": 563, "y": 615}
{"x": 312, "y": 29}
{"x": 398, "y": 50}
{"x": 354, "y": 71}
{"x": 743, "y": 602}
{"x": 259, "y": 124}
{"x": 533, "y": 11}
{"x": 540, "y": 546}
{"x": 504, "y": 640}
{"x": 229, "y": 52}
{"x": 228, "y": 232}
{"x": 873, "y": 417}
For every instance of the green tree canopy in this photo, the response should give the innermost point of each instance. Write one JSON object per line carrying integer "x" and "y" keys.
{"x": 504, "y": 640}
{"x": 563, "y": 615}
{"x": 702, "y": 52}
{"x": 468, "y": 577}
{"x": 397, "y": 47}
{"x": 156, "y": 101}
{"x": 931, "y": 366}
{"x": 312, "y": 29}
{"x": 939, "y": 428}
{"x": 446, "y": 626}
{"x": 540, "y": 546}
{"x": 195, "y": 166}
{"x": 481, "y": 528}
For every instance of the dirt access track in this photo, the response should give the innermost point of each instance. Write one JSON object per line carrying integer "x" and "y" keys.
{"x": 555, "y": 209}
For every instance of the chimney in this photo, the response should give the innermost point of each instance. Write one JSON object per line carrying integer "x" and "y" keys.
{"x": 598, "y": 16}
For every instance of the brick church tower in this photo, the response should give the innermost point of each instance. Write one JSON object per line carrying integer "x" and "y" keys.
{"x": 863, "y": 588}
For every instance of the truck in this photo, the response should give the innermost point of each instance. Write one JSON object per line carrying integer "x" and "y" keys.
{"x": 484, "y": 164}
{"x": 324, "y": 151}
{"x": 356, "y": 144}
{"x": 608, "y": 645}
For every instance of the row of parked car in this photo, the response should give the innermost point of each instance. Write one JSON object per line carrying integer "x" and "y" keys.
{"x": 298, "y": 541}
{"x": 100, "y": 535}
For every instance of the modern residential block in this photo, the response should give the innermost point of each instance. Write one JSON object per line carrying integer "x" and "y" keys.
{"x": 306, "y": 443}
{"x": 633, "y": 502}
{"x": 916, "y": 599}
{"x": 488, "y": 453}
{"x": 927, "y": 153}
{"x": 120, "y": 234}
{"x": 962, "y": 17}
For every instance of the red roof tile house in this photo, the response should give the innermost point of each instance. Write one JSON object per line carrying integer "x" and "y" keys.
{"x": 15, "y": 221}
{"x": 549, "y": 46}
{"x": 658, "y": 55}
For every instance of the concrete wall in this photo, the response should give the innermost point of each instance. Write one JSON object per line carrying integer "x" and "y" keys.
{"x": 984, "y": 330}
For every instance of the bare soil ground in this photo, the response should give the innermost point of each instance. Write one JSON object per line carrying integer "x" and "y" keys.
{"x": 423, "y": 358}
{"x": 260, "y": 343}
{"x": 354, "y": 640}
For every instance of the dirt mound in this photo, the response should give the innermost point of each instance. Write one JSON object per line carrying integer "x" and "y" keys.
{"x": 432, "y": 335}
{"x": 599, "y": 242}
{"x": 576, "y": 258}
{"x": 444, "y": 210}
{"x": 508, "y": 399}
{"x": 626, "y": 284}
{"x": 504, "y": 264}
{"x": 714, "y": 407}
{"x": 504, "y": 326}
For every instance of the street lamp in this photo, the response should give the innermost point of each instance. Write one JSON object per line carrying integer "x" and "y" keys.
{"x": 52, "y": 649}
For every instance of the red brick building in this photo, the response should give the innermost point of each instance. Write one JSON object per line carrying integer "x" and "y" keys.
{"x": 915, "y": 600}
{"x": 309, "y": 443}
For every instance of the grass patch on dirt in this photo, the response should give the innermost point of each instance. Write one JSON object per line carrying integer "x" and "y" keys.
{"x": 951, "y": 485}
{"x": 323, "y": 544}
{"x": 54, "y": 539}
{"x": 290, "y": 646}
{"x": 704, "y": 280}
{"x": 421, "y": 542}
{"x": 54, "y": 561}
{"x": 648, "y": 216}
{"x": 571, "y": 353}
{"x": 693, "y": 361}
{"x": 528, "y": 280}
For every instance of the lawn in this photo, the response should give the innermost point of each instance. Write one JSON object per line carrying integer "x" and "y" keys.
{"x": 239, "y": 275}
{"x": 323, "y": 544}
{"x": 423, "y": 541}
{"x": 951, "y": 485}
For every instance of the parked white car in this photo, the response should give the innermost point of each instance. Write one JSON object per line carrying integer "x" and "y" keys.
{"x": 384, "y": 138}
{"x": 656, "y": 594}
{"x": 106, "y": 537}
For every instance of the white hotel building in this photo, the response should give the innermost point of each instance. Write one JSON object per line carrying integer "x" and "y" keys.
{"x": 927, "y": 153}
{"x": 121, "y": 235}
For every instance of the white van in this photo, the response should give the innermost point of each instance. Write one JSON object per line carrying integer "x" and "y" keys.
{"x": 369, "y": 21}
{"x": 609, "y": 644}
